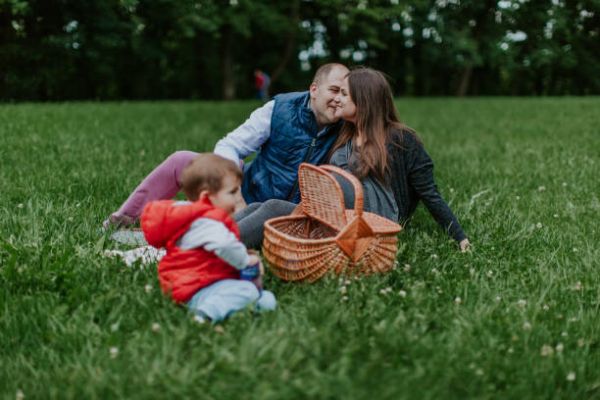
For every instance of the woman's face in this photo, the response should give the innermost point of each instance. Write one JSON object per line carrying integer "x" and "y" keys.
{"x": 346, "y": 108}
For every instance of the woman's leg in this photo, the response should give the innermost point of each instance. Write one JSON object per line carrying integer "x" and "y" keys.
{"x": 162, "y": 183}
{"x": 251, "y": 222}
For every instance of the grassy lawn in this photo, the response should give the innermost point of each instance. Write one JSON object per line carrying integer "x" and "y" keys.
{"x": 516, "y": 318}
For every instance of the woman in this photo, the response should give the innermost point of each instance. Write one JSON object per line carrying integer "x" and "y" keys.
{"x": 388, "y": 158}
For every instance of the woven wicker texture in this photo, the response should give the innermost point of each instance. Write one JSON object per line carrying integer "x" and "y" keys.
{"x": 322, "y": 236}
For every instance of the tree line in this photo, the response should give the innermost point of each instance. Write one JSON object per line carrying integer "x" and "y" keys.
{"x": 208, "y": 49}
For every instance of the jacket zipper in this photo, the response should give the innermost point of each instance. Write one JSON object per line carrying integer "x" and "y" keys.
{"x": 306, "y": 158}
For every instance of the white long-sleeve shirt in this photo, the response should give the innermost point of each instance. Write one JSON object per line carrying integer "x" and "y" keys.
{"x": 248, "y": 137}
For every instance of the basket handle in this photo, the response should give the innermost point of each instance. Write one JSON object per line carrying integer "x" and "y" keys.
{"x": 358, "y": 190}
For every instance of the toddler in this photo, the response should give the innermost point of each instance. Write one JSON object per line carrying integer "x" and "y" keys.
{"x": 206, "y": 266}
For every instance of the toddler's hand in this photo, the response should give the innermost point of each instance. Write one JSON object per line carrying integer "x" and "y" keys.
{"x": 258, "y": 282}
{"x": 253, "y": 259}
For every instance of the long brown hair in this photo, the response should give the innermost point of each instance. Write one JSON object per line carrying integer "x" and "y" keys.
{"x": 376, "y": 118}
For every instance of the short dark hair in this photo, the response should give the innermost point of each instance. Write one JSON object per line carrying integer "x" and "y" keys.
{"x": 324, "y": 70}
{"x": 206, "y": 172}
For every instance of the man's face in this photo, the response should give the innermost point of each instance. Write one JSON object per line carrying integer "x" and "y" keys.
{"x": 323, "y": 96}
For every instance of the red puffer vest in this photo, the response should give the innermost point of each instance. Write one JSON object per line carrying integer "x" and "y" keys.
{"x": 183, "y": 272}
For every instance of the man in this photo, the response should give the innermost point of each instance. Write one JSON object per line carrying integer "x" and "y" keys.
{"x": 291, "y": 129}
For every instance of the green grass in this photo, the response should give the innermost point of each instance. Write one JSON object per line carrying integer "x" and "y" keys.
{"x": 521, "y": 175}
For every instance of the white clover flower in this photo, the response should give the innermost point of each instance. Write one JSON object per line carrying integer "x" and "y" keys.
{"x": 434, "y": 256}
{"x": 434, "y": 271}
{"x": 407, "y": 267}
{"x": 522, "y": 303}
{"x": 541, "y": 188}
{"x": 344, "y": 298}
{"x": 219, "y": 329}
{"x": 564, "y": 184}
{"x": 545, "y": 307}
{"x": 20, "y": 205}
{"x": 571, "y": 376}
{"x": 114, "y": 352}
{"x": 114, "y": 327}
{"x": 575, "y": 249}
{"x": 155, "y": 327}
{"x": 19, "y": 395}
{"x": 580, "y": 342}
{"x": 510, "y": 350}
{"x": 546, "y": 351}
{"x": 526, "y": 326}
{"x": 498, "y": 299}
{"x": 555, "y": 215}
{"x": 490, "y": 273}
{"x": 518, "y": 197}
{"x": 148, "y": 288}
{"x": 457, "y": 300}
{"x": 538, "y": 225}
{"x": 402, "y": 293}
{"x": 479, "y": 372}
{"x": 578, "y": 286}
{"x": 564, "y": 334}
{"x": 343, "y": 289}
{"x": 560, "y": 347}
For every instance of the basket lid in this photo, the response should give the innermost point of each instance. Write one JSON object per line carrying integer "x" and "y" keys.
{"x": 322, "y": 196}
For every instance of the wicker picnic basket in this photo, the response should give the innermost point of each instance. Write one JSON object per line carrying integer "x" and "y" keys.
{"x": 321, "y": 235}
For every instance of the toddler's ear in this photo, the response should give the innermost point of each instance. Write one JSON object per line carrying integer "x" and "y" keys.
{"x": 203, "y": 195}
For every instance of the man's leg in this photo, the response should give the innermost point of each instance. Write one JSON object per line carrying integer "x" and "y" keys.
{"x": 162, "y": 183}
{"x": 251, "y": 221}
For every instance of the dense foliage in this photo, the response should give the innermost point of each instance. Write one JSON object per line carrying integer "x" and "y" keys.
{"x": 140, "y": 49}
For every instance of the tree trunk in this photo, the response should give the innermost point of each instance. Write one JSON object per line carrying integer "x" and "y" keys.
{"x": 465, "y": 81}
{"x": 290, "y": 43}
{"x": 228, "y": 87}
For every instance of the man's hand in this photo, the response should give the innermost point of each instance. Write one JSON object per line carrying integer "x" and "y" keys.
{"x": 464, "y": 245}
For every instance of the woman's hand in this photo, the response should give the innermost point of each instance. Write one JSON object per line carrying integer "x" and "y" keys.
{"x": 464, "y": 245}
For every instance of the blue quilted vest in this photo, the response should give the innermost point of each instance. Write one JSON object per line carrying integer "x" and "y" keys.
{"x": 295, "y": 138}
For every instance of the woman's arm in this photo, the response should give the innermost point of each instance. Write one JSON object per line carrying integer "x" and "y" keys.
{"x": 420, "y": 177}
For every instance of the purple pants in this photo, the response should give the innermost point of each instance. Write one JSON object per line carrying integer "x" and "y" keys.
{"x": 162, "y": 183}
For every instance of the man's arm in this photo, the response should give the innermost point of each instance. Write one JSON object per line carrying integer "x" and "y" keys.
{"x": 248, "y": 137}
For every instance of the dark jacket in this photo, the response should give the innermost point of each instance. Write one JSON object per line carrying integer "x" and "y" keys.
{"x": 295, "y": 138}
{"x": 411, "y": 180}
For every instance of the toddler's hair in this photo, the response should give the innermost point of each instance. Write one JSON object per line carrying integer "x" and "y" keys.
{"x": 206, "y": 172}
